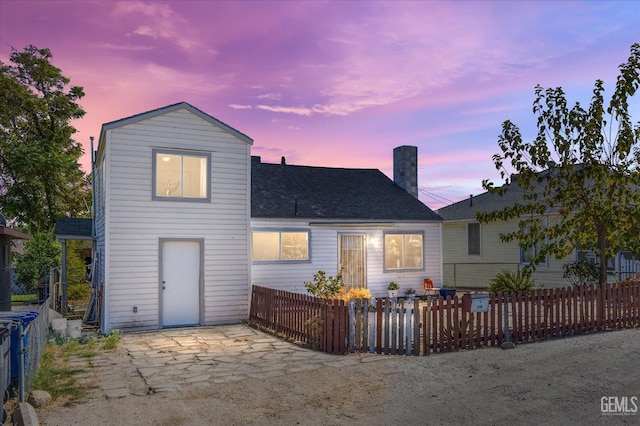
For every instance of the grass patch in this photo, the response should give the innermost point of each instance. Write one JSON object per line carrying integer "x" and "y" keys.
{"x": 23, "y": 298}
{"x": 58, "y": 378}
{"x": 111, "y": 341}
{"x": 58, "y": 373}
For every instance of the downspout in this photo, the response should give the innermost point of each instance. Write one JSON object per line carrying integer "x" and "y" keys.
{"x": 93, "y": 194}
{"x": 94, "y": 242}
{"x": 63, "y": 273}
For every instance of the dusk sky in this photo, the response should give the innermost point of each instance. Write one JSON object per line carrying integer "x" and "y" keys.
{"x": 336, "y": 84}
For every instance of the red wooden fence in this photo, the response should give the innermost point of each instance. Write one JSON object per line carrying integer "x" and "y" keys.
{"x": 319, "y": 323}
{"x": 533, "y": 315}
{"x": 442, "y": 325}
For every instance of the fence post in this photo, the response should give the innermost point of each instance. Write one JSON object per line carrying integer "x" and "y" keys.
{"x": 416, "y": 327}
{"x": 352, "y": 324}
{"x": 372, "y": 324}
{"x": 427, "y": 327}
{"x": 407, "y": 325}
{"x": 508, "y": 343}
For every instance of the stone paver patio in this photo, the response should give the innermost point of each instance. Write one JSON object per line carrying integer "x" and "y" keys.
{"x": 172, "y": 358}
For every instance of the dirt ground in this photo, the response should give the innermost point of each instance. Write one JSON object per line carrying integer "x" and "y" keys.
{"x": 560, "y": 381}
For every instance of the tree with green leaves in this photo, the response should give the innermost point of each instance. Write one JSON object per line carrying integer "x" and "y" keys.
{"x": 579, "y": 177}
{"x": 42, "y": 252}
{"x": 40, "y": 177}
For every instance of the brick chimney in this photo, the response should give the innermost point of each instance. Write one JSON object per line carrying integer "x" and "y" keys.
{"x": 405, "y": 168}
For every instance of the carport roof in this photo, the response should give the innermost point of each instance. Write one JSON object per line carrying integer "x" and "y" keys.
{"x": 71, "y": 228}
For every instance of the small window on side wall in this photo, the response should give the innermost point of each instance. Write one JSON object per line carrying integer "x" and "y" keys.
{"x": 181, "y": 176}
{"x": 403, "y": 251}
{"x": 473, "y": 239}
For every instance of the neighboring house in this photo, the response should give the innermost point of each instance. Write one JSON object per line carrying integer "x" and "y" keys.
{"x": 186, "y": 221}
{"x": 473, "y": 253}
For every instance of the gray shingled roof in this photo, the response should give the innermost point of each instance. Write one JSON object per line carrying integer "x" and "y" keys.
{"x": 287, "y": 191}
{"x": 73, "y": 228}
{"x": 485, "y": 202}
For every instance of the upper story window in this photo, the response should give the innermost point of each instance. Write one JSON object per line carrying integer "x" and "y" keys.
{"x": 473, "y": 239}
{"x": 277, "y": 246}
{"x": 181, "y": 175}
{"x": 403, "y": 251}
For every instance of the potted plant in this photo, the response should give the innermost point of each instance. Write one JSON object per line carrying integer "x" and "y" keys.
{"x": 393, "y": 288}
{"x": 410, "y": 293}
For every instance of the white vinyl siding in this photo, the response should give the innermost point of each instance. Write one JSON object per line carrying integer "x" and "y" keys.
{"x": 134, "y": 222}
{"x": 324, "y": 247}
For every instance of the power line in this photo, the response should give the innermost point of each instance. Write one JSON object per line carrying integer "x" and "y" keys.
{"x": 434, "y": 196}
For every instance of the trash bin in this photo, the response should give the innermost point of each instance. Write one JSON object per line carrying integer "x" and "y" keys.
{"x": 25, "y": 318}
{"x": 5, "y": 361}
{"x": 444, "y": 292}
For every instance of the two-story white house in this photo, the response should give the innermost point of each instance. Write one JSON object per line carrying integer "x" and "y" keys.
{"x": 186, "y": 221}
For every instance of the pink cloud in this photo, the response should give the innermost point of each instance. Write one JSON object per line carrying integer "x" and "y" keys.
{"x": 334, "y": 83}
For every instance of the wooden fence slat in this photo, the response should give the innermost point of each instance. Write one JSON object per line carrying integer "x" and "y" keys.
{"x": 415, "y": 316}
{"x": 401, "y": 326}
{"x": 453, "y": 325}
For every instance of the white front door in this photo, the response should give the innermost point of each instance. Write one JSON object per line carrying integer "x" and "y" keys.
{"x": 180, "y": 283}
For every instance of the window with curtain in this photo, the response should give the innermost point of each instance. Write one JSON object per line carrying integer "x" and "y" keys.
{"x": 181, "y": 176}
{"x": 403, "y": 251}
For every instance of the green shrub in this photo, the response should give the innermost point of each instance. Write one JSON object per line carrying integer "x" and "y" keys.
{"x": 79, "y": 291}
{"x": 76, "y": 268}
{"x": 507, "y": 281}
{"x": 324, "y": 287}
{"x": 581, "y": 272}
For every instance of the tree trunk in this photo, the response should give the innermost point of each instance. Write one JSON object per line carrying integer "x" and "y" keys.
{"x": 602, "y": 252}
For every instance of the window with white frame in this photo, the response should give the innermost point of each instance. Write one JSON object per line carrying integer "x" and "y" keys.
{"x": 473, "y": 239}
{"x": 403, "y": 251}
{"x": 181, "y": 175}
{"x": 280, "y": 246}
{"x": 528, "y": 253}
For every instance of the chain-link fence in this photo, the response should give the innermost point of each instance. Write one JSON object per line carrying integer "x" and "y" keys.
{"x": 29, "y": 327}
{"x": 27, "y": 324}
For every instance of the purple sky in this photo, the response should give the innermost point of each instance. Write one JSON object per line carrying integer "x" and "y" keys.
{"x": 335, "y": 83}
